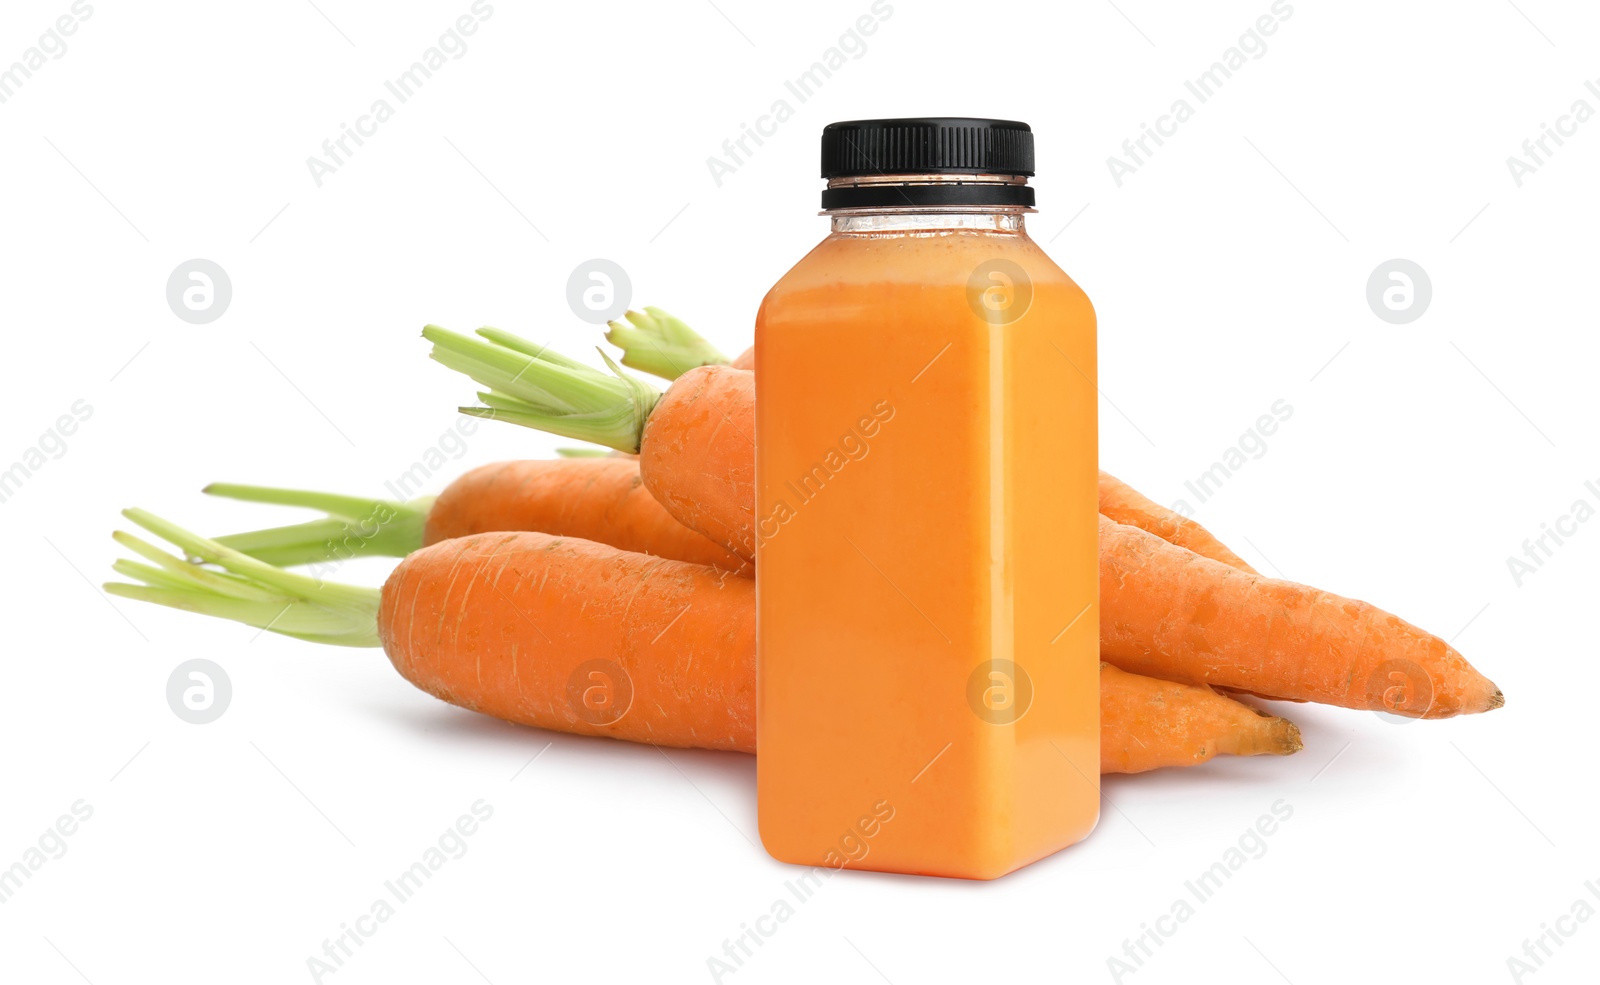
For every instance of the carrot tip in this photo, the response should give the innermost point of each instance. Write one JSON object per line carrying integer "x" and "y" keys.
{"x": 1292, "y": 741}
{"x": 1497, "y": 699}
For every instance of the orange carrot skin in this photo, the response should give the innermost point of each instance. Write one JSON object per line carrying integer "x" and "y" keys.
{"x": 1168, "y": 612}
{"x": 1148, "y": 724}
{"x": 564, "y": 634}
{"x": 697, "y": 455}
{"x": 599, "y": 499}
{"x": 516, "y": 625}
{"x": 1125, "y": 504}
{"x": 745, "y": 359}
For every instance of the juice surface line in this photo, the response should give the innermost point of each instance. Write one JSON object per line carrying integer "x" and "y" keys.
{"x": 927, "y": 590}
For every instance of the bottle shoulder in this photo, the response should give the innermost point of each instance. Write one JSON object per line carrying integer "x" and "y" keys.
{"x": 938, "y": 257}
{"x": 936, "y": 261}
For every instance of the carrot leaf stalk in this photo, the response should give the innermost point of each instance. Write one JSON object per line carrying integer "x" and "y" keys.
{"x": 353, "y": 527}
{"x": 215, "y": 580}
{"x": 583, "y": 452}
{"x": 655, "y": 342}
{"x": 528, "y": 384}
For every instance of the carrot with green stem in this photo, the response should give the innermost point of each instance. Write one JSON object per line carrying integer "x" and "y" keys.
{"x": 1165, "y": 611}
{"x": 695, "y": 443}
{"x": 602, "y": 500}
{"x": 579, "y": 637}
{"x": 556, "y": 632}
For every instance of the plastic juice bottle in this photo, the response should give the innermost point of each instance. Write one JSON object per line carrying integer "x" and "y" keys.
{"x": 928, "y": 625}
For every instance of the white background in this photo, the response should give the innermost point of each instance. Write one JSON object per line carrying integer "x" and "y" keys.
{"x": 1229, "y": 272}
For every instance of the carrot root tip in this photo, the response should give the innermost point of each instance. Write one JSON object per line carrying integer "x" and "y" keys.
{"x": 1290, "y": 740}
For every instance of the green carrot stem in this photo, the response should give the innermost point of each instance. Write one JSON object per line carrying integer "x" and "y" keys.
{"x": 333, "y": 504}
{"x": 243, "y": 589}
{"x": 175, "y": 571}
{"x": 311, "y": 542}
{"x": 354, "y": 526}
{"x": 516, "y": 343}
{"x": 655, "y": 342}
{"x": 528, "y": 385}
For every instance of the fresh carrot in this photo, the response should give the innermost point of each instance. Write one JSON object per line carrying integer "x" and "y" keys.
{"x": 578, "y": 637}
{"x": 556, "y": 632}
{"x": 601, "y": 499}
{"x": 604, "y": 500}
{"x": 1125, "y": 504}
{"x": 695, "y": 442}
{"x": 1146, "y": 724}
{"x": 697, "y": 455}
{"x": 1168, "y": 612}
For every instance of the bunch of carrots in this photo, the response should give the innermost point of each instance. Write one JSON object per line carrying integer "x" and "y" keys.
{"x": 613, "y": 593}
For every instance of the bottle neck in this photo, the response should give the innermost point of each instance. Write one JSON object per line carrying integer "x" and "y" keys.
{"x": 861, "y": 221}
{"x": 928, "y": 194}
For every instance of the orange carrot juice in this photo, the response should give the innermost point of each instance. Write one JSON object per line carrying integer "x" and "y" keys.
{"x": 927, "y": 572}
